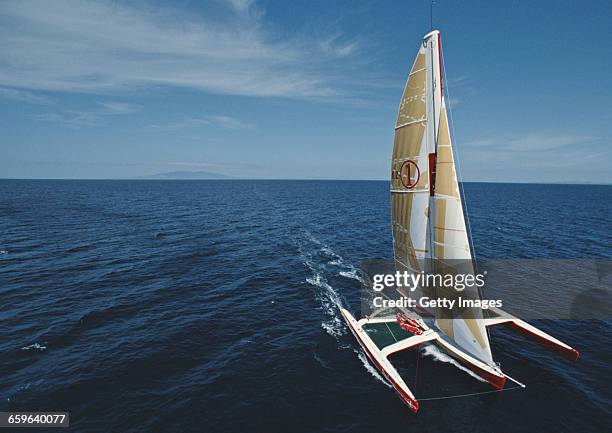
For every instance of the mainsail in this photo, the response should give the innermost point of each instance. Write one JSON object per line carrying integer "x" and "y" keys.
{"x": 410, "y": 170}
{"x": 429, "y": 230}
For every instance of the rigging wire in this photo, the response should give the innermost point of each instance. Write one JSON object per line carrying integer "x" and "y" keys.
{"x": 392, "y": 334}
{"x": 471, "y": 394}
{"x": 416, "y": 374}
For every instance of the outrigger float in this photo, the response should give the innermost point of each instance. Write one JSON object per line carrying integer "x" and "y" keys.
{"x": 429, "y": 226}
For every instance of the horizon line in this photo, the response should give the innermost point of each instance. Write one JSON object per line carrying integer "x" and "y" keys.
{"x": 293, "y": 179}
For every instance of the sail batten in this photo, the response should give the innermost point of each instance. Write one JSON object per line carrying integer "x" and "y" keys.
{"x": 423, "y": 121}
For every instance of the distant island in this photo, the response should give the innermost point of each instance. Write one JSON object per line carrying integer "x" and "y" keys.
{"x": 185, "y": 175}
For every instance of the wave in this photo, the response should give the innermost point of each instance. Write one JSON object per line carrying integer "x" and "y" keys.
{"x": 328, "y": 297}
{"x": 366, "y": 363}
{"x": 330, "y": 253}
{"x": 312, "y": 249}
{"x": 35, "y": 346}
{"x": 331, "y": 304}
{"x": 440, "y": 356}
{"x": 347, "y": 269}
{"x": 352, "y": 274}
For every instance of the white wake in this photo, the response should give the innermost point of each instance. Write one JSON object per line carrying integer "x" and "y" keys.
{"x": 438, "y": 355}
{"x": 366, "y": 363}
{"x": 312, "y": 251}
{"x": 329, "y": 299}
{"x": 35, "y": 346}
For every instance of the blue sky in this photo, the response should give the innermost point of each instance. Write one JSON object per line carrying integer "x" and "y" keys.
{"x": 277, "y": 89}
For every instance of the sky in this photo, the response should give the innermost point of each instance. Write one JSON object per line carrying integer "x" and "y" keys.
{"x": 299, "y": 90}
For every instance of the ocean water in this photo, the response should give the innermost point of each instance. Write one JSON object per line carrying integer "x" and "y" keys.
{"x": 213, "y": 306}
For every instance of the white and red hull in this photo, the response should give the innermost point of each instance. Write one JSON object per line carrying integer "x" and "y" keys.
{"x": 493, "y": 375}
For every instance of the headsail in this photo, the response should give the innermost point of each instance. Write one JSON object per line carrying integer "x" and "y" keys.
{"x": 451, "y": 252}
{"x": 427, "y": 211}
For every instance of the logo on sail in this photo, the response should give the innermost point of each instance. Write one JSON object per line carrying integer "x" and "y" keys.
{"x": 409, "y": 174}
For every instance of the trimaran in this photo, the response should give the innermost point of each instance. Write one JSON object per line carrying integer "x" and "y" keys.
{"x": 428, "y": 224}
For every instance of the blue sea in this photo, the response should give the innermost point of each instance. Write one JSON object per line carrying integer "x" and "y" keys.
{"x": 213, "y": 306}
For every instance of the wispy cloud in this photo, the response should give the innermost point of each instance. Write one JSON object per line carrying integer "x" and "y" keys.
{"x": 195, "y": 164}
{"x": 337, "y": 47}
{"x": 541, "y": 142}
{"x": 76, "y": 118}
{"x": 453, "y": 102}
{"x": 71, "y": 118}
{"x": 227, "y": 122}
{"x": 237, "y": 165}
{"x": 536, "y": 157}
{"x": 240, "y": 6}
{"x": 456, "y": 81}
{"x": 534, "y": 142}
{"x": 81, "y": 46}
{"x": 114, "y": 107}
{"x": 23, "y": 96}
{"x": 572, "y": 164}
